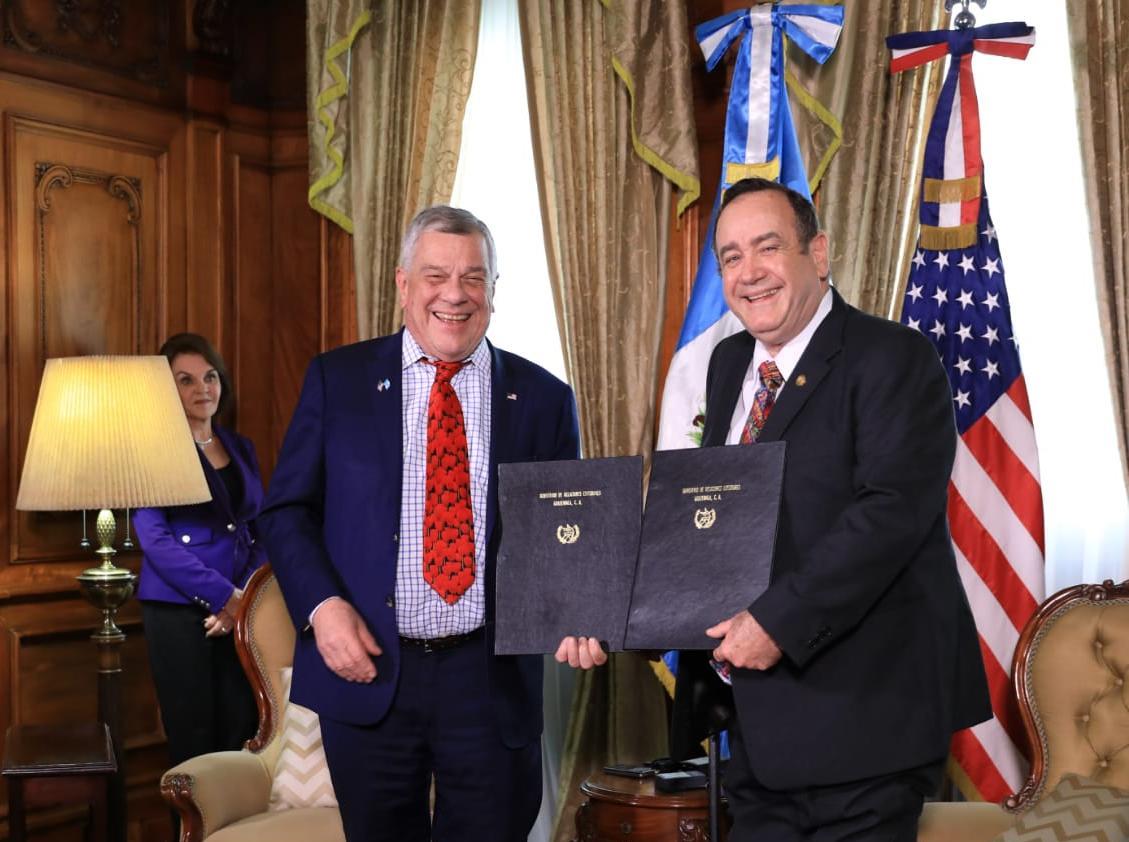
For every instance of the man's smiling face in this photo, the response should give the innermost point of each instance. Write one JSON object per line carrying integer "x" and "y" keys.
{"x": 447, "y": 294}
{"x": 771, "y": 280}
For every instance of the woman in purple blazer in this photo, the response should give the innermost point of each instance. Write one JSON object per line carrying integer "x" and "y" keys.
{"x": 197, "y": 559}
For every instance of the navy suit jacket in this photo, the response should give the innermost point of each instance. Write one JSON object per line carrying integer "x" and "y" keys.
{"x": 332, "y": 516}
{"x": 200, "y": 553}
{"x": 881, "y": 658}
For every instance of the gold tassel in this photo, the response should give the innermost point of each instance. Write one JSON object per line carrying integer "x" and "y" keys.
{"x": 946, "y": 239}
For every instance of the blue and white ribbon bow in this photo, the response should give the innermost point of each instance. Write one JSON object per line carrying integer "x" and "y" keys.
{"x": 760, "y": 139}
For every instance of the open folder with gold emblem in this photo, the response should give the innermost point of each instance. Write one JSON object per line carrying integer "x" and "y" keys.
{"x": 579, "y": 556}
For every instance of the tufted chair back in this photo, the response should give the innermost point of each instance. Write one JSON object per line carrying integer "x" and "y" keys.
{"x": 1071, "y": 673}
{"x": 1070, "y": 677}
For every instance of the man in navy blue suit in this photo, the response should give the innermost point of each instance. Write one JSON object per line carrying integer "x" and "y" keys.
{"x": 395, "y": 648}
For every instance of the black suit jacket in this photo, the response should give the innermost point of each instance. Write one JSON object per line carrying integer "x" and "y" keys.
{"x": 881, "y": 658}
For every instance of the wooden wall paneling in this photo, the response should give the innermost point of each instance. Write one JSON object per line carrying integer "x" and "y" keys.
{"x": 84, "y": 275}
{"x": 297, "y": 315}
{"x": 172, "y": 296}
{"x": 125, "y": 218}
{"x": 8, "y": 476}
{"x": 50, "y": 678}
{"x": 207, "y": 292}
{"x": 339, "y": 292}
{"x": 88, "y": 257}
{"x": 131, "y": 48}
{"x": 252, "y": 245}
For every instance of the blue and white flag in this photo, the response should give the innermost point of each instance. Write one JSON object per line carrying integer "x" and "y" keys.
{"x": 760, "y": 140}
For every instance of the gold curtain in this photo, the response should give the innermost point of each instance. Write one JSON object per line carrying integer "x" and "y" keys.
{"x": 387, "y": 89}
{"x": 1099, "y": 46}
{"x": 607, "y": 151}
{"x": 868, "y": 196}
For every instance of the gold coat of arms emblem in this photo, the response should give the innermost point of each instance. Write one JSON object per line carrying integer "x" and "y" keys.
{"x": 704, "y": 518}
{"x": 567, "y": 533}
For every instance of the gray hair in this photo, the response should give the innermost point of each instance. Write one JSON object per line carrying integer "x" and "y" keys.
{"x": 448, "y": 220}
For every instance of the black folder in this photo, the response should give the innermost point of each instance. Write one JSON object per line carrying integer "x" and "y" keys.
{"x": 707, "y": 542}
{"x": 578, "y": 556}
{"x": 570, "y": 538}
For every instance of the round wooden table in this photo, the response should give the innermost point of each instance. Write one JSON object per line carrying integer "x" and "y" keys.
{"x": 619, "y": 809}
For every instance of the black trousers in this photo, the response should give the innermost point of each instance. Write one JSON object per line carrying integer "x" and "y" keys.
{"x": 880, "y": 809}
{"x": 205, "y": 699}
{"x": 442, "y": 726}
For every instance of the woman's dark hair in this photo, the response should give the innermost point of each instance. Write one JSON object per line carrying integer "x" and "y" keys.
{"x": 194, "y": 343}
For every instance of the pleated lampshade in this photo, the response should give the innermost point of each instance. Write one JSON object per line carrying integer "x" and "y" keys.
{"x": 109, "y": 433}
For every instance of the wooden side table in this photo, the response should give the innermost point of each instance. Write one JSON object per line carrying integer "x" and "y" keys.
{"x": 621, "y": 809}
{"x": 58, "y": 764}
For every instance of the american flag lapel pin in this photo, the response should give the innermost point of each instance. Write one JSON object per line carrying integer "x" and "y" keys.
{"x": 384, "y": 384}
{"x": 511, "y": 396}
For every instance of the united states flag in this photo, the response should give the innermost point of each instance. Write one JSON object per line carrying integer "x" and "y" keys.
{"x": 956, "y": 296}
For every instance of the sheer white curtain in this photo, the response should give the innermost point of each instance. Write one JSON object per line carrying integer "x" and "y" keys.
{"x": 1033, "y": 173}
{"x": 497, "y": 182}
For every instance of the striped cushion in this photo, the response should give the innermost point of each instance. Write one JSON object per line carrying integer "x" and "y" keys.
{"x": 301, "y": 776}
{"x": 1077, "y": 810}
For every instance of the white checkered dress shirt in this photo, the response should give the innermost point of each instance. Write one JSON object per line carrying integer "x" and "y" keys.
{"x": 420, "y": 611}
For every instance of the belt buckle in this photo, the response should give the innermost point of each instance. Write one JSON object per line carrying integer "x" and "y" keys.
{"x": 428, "y": 646}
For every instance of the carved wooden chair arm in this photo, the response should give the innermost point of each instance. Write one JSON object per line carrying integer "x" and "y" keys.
{"x": 213, "y": 790}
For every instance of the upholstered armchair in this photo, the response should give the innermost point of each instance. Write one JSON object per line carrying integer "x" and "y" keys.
{"x": 225, "y": 796}
{"x": 1070, "y": 675}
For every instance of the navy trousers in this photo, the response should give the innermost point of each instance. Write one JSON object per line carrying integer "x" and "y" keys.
{"x": 441, "y": 726}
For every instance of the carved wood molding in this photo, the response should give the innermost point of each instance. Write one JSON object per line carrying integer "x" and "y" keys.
{"x": 91, "y": 21}
{"x": 49, "y": 176}
{"x": 260, "y": 583}
{"x": 177, "y": 792}
{"x": 693, "y": 830}
{"x": 98, "y": 24}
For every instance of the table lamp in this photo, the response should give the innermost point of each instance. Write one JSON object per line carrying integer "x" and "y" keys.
{"x": 109, "y": 433}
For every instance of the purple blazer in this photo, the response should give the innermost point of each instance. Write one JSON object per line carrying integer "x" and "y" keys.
{"x": 200, "y": 553}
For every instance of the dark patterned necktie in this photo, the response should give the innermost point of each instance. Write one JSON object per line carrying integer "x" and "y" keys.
{"x": 763, "y": 399}
{"x": 448, "y": 520}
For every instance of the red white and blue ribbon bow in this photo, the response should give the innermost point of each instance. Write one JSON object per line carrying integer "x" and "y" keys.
{"x": 952, "y": 182}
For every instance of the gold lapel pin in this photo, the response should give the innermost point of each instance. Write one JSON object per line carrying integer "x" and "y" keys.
{"x": 801, "y": 379}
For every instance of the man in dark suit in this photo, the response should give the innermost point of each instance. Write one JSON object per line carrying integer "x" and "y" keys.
{"x": 380, "y": 524}
{"x": 850, "y": 673}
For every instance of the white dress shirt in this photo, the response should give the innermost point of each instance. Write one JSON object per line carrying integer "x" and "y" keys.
{"x": 786, "y": 359}
{"x": 420, "y": 611}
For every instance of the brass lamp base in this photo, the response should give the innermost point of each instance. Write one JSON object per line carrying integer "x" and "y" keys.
{"x": 107, "y": 593}
{"x": 107, "y": 587}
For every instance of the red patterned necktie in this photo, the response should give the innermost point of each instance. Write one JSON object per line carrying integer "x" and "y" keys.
{"x": 765, "y": 397}
{"x": 448, "y": 520}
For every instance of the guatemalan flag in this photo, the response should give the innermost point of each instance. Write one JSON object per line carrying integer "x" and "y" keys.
{"x": 955, "y": 295}
{"x": 760, "y": 140}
